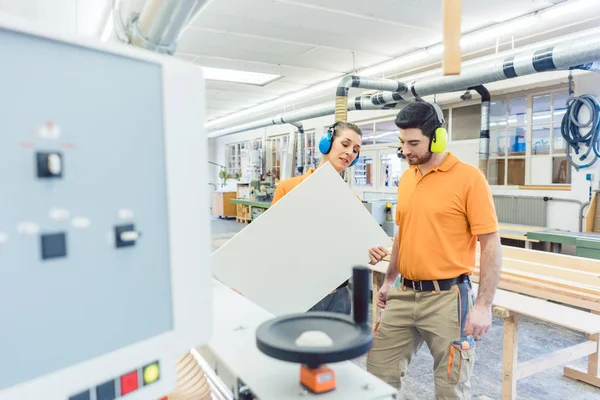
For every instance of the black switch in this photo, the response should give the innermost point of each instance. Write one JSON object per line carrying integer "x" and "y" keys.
{"x": 54, "y": 245}
{"x": 106, "y": 391}
{"x": 126, "y": 235}
{"x": 49, "y": 164}
{"x": 81, "y": 396}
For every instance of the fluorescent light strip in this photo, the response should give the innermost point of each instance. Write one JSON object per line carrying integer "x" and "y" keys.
{"x": 231, "y": 75}
{"x": 485, "y": 33}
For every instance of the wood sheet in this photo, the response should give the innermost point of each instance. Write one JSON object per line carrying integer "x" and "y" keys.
{"x": 301, "y": 248}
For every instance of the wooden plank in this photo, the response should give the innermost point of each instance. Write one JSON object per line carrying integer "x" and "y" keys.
{"x": 510, "y": 352}
{"x": 590, "y": 217}
{"x": 543, "y": 187}
{"x": 282, "y": 263}
{"x": 452, "y": 10}
{"x": 589, "y": 279}
{"x": 548, "y": 292}
{"x": 556, "y": 358}
{"x": 544, "y": 257}
{"x": 581, "y": 375}
{"x": 554, "y": 313}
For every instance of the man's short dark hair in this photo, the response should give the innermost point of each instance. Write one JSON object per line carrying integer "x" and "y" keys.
{"x": 419, "y": 115}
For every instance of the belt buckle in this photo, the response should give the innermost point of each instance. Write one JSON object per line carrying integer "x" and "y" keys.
{"x": 414, "y": 286}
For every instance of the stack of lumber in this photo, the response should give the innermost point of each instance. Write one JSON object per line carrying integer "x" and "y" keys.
{"x": 566, "y": 279}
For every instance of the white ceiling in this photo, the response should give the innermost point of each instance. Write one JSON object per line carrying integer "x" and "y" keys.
{"x": 304, "y": 41}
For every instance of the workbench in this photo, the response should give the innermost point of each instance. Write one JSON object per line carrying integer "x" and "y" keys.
{"x": 519, "y": 232}
{"x": 587, "y": 244}
{"x": 247, "y": 215}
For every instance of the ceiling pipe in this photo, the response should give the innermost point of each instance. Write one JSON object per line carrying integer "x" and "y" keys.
{"x": 300, "y": 146}
{"x": 158, "y": 26}
{"x": 365, "y": 82}
{"x": 584, "y": 53}
{"x": 358, "y": 103}
{"x": 484, "y": 133}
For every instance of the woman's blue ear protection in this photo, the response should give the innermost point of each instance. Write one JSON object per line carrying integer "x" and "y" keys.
{"x": 327, "y": 140}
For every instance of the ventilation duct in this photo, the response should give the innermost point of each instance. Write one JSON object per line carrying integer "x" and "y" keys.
{"x": 159, "y": 24}
{"x": 359, "y": 103}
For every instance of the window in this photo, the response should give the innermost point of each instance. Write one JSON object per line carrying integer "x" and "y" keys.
{"x": 234, "y": 155}
{"x": 252, "y": 160}
{"x": 311, "y": 156}
{"x": 364, "y": 171}
{"x": 526, "y": 144}
{"x": 379, "y": 132}
{"x": 391, "y": 168}
{"x": 279, "y": 148}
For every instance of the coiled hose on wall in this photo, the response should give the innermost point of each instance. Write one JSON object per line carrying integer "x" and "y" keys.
{"x": 571, "y": 130}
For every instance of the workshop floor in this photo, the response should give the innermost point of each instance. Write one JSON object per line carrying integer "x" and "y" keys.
{"x": 535, "y": 339}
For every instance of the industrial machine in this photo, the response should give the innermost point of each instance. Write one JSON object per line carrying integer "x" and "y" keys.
{"x": 316, "y": 338}
{"x": 105, "y": 275}
{"x": 104, "y": 238}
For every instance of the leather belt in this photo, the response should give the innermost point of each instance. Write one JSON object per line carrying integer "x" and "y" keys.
{"x": 428, "y": 286}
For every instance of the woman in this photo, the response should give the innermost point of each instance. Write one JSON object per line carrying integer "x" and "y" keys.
{"x": 340, "y": 146}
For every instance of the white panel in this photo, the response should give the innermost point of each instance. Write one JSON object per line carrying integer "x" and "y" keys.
{"x": 541, "y": 170}
{"x": 428, "y": 13}
{"x": 339, "y": 60}
{"x": 294, "y": 23}
{"x": 302, "y": 248}
{"x": 234, "y": 346}
{"x": 219, "y": 44}
{"x": 189, "y": 230}
{"x": 22, "y": 8}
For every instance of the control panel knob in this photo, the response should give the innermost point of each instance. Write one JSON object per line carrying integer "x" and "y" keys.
{"x": 54, "y": 164}
{"x": 49, "y": 164}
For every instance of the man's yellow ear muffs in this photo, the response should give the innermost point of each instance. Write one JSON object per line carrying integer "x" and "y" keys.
{"x": 439, "y": 141}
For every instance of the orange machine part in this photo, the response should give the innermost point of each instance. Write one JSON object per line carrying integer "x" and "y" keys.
{"x": 318, "y": 380}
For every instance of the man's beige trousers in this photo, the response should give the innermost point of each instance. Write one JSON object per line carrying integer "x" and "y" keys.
{"x": 437, "y": 318}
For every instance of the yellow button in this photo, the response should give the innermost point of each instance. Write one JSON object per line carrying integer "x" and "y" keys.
{"x": 151, "y": 373}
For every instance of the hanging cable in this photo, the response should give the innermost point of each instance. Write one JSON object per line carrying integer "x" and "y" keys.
{"x": 571, "y": 130}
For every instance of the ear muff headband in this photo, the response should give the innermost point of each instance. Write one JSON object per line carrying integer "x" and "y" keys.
{"x": 327, "y": 141}
{"x": 439, "y": 139}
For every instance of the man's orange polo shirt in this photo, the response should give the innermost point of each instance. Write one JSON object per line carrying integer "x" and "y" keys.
{"x": 439, "y": 216}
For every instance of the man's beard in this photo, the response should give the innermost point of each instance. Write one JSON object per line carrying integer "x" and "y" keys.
{"x": 420, "y": 160}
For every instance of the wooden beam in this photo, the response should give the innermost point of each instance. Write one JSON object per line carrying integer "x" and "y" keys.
{"x": 452, "y": 52}
{"x": 582, "y": 375}
{"x": 509, "y": 357}
{"x": 548, "y": 292}
{"x": 556, "y": 358}
{"x": 590, "y": 217}
{"x": 501, "y": 312}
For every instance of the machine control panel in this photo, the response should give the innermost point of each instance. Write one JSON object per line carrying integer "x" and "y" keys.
{"x": 77, "y": 278}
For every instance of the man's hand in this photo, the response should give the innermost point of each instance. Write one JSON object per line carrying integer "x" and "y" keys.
{"x": 479, "y": 320}
{"x": 382, "y": 295}
{"x": 376, "y": 254}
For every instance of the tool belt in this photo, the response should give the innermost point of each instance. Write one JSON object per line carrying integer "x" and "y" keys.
{"x": 428, "y": 286}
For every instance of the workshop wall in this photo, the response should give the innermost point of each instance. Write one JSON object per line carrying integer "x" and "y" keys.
{"x": 561, "y": 215}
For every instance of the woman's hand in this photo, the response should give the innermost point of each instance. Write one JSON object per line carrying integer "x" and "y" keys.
{"x": 377, "y": 254}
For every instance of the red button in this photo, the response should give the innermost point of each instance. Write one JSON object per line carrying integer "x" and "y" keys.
{"x": 129, "y": 382}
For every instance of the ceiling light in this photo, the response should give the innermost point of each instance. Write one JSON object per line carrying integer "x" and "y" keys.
{"x": 231, "y": 75}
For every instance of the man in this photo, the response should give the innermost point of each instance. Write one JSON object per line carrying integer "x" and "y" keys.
{"x": 444, "y": 206}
